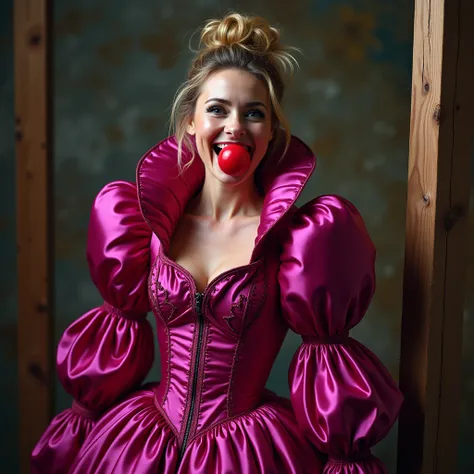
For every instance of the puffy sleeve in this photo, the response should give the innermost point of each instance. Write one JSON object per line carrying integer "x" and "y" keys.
{"x": 109, "y": 350}
{"x": 344, "y": 399}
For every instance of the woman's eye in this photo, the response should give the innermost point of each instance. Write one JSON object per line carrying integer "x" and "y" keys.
{"x": 258, "y": 114}
{"x": 216, "y": 110}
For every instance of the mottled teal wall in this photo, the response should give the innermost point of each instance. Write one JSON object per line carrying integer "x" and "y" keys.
{"x": 8, "y": 307}
{"x": 117, "y": 66}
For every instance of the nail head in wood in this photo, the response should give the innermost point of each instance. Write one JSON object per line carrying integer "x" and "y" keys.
{"x": 35, "y": 39}
{"x": 42, "y": 308}
{"x": 453, "y": 216}
{"x": 38, "y": 373}
{"x": 437, "y": 114}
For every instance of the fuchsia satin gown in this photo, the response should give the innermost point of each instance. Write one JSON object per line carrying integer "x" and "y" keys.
{"x": 312, "y": 270}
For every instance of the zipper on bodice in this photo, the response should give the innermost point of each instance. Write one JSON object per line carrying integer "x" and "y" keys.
{"x": 199, "y": 297}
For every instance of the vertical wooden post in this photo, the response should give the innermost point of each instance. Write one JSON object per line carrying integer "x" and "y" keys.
{"x": 442, "y": 124}
{"x": 34, "y": 216}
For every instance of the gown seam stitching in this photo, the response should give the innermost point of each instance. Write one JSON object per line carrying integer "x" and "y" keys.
{"x": 165, "y": 416}
{"x": 201, "y": 376}
{"x": 231, "y": 378}
{"x": 155, "y": 273}
{"x": 233, "y": 417}
{"x": 185, "y": 409}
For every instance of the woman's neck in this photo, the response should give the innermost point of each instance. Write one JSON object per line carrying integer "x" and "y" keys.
{"x": 223, "y": 202}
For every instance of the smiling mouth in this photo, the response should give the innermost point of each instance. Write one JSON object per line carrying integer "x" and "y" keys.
{"x": 218, "y": 148}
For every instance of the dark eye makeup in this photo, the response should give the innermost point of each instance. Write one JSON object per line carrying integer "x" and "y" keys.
{"x": 252, "y": 113}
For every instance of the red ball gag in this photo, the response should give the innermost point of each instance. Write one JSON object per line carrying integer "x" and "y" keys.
{"x": 234, "y": 160}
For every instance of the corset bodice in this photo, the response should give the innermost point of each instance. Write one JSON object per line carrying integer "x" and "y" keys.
{"x": 218, "y": 346}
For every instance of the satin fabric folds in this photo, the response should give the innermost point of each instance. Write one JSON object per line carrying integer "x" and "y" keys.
{"x": 344, "y": 399}
{"x": 311, "y": 271}
{"x": 109, "y": 350}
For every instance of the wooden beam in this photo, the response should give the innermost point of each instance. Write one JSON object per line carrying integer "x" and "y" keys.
{"x": 441, "y": 132}
{"x": 32, "y": 21}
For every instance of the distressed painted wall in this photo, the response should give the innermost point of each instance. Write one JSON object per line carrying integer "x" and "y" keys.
{"x": 8, "y": 364}
{"x": 117, "y": 66}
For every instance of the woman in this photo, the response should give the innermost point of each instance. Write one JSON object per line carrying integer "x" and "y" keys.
{"x": 227, "y": 263}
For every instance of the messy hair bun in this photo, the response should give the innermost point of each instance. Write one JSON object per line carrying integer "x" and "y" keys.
{"x": 236, "y": 42}
{"x": 253, "y": 34}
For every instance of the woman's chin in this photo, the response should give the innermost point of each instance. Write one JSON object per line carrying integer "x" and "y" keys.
{"x": 225, "y": 178}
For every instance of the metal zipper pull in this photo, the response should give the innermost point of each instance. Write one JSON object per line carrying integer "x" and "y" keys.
{"x": 199, "y": 298}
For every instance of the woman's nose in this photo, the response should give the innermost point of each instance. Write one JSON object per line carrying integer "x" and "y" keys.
{"x": 235, "y": 127}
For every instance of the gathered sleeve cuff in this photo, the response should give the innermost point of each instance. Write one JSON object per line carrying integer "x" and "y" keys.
{"x": 344, "y": 399}
{"x": 109, "y": 350}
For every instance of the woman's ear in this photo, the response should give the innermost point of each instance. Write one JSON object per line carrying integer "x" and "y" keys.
{"x": 274, "y": 132}
{"x": 190, "y": 128}
{"x": 275, "y": 128}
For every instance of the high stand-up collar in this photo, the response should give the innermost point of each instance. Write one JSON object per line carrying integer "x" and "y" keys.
{"x": 164, "y": 191}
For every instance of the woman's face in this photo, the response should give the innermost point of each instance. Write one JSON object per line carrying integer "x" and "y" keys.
{"x": 233, "y": 107}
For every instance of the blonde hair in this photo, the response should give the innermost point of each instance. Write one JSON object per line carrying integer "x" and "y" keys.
{"x": 235, "y": 42}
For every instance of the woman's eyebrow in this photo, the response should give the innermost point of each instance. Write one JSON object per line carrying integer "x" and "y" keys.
{"x": 227, "y": 102}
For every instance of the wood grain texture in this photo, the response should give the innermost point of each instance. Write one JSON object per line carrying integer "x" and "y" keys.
{"x": 34, "y": 213}
{"x": 436, "y": 235}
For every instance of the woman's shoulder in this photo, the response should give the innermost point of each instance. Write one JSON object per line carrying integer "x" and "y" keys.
{"x": 327, "y": 222}
{"x": 117, "y": 230}
{"x": 117, "y": 191}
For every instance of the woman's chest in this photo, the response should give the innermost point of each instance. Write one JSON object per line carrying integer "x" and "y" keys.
{"x": 231, "y": 301}
{"x": 207, "y": 250}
